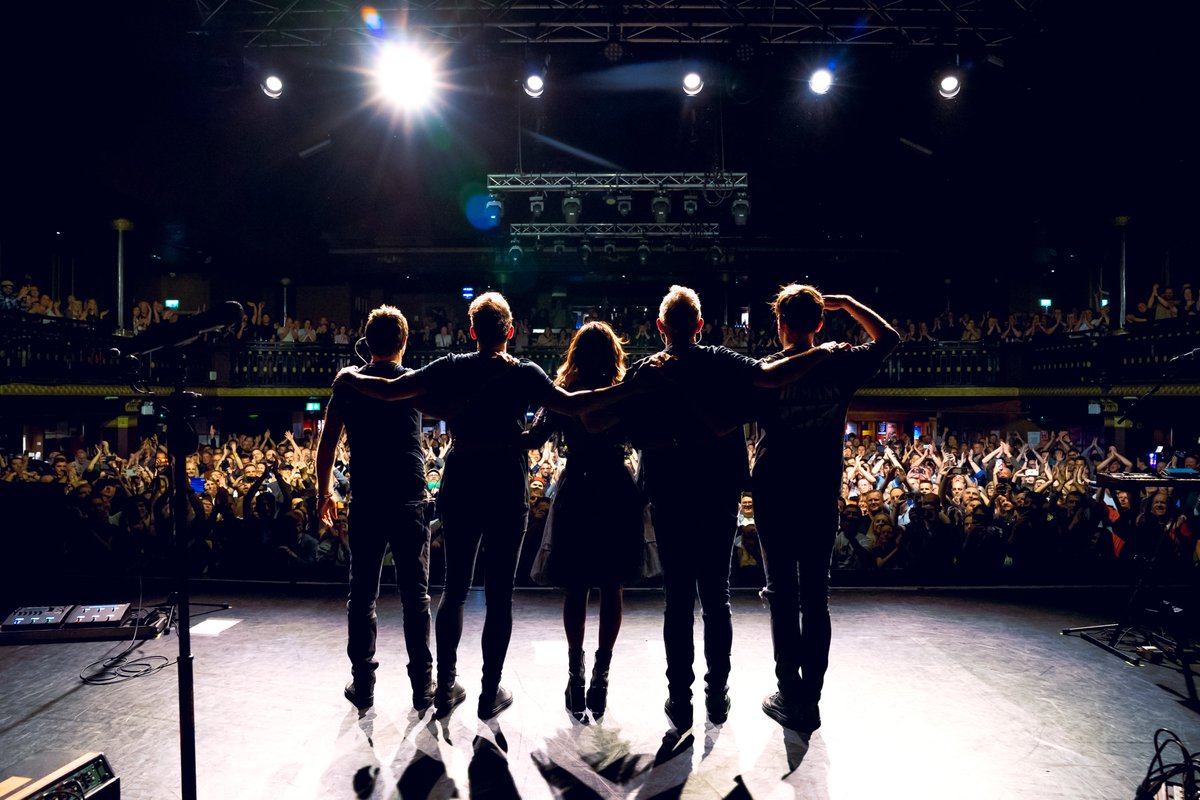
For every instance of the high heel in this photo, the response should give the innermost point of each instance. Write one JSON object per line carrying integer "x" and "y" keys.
{"x": 574, "y": 693}
{"x": 597, "y": 693}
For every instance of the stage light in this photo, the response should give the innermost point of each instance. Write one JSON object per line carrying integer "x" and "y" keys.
{"x": 690, "y": 204}
{"x": 610, "y": 249}
{"x": 406, "y": 76}
{"x": 272, "y": 87}
{"x": 669, "y": 249}
{"x": 950, "y": 85}
{"x": 643, "y": 253}
{"x": 610, "y": 198}
{"x": 494, "y": 208}
{"x": 515, "y": 252}
{"x": 660, "y": 207}
{"x": 715, "y": 254}
{"x": 624, "y": 204}
{"x": 560, "y": 247}
{"x": 821, "y": 81}
{"x": 740, "y": 208}
{"x": 537, "y": 205}
{"x": 585, "y": 252}
{"x": 535, "y": 85}
{"x": 572, "y": 207}
{"x": 693, "y": 84}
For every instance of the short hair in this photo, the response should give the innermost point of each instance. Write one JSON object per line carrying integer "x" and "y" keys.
{"x": 679, "y": 310}
{"x": 386, "y": 331}
{"x": 491, "y": 318}
{"x": 800, "y": 306}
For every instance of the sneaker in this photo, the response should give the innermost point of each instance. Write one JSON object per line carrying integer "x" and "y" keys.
{"x": 424, "y": 699}
{"x": 447, "y": 697}
{"x": 717, "y": 707}
{"x": 362, "y": 697}
{"x": 804, "y": 718}
{"x": 679, "y": 712}
{"x": 492, "y": 703}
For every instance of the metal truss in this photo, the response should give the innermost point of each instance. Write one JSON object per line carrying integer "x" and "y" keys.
{"x": 314, "y": 23}
{"x": 613, "y": 181}
{"x": 616, "y": 230}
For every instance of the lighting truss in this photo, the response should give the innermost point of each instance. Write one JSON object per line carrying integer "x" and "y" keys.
{"x": 616, "y": 230}
{"x": 620, "y": 181}
{"x": 318, "y": 23}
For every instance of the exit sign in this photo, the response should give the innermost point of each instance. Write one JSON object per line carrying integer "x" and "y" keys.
{"x": 314, "y": 406}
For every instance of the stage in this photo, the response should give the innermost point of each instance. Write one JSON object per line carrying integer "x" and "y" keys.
{"x": 941, "y": 694}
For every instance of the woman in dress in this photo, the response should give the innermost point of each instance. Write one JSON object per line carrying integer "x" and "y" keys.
{"x": 594, "y": 535}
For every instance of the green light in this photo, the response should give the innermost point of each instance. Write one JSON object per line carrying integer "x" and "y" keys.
{"x": 312, "y": 406}
{"x": 1045, "y": 302}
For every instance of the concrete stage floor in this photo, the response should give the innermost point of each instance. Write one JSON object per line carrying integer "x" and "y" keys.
{"x": 930, "y": 694}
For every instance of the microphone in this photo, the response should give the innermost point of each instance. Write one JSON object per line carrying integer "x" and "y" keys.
{"x": 184, "y": 332}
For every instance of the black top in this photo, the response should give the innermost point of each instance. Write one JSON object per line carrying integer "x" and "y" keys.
{"x": 489, "y": 396}
{"x": 384, "y": 438}
{"x": 803, "y": 424}
{"x": 690, "y": 430}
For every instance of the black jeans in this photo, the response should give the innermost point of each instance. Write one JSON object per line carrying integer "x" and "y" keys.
{"x": 796, "y": 533}
{"x": 496, "y": 522}
{"x": 376, "y": 522}
{"x": 695, "y": 542}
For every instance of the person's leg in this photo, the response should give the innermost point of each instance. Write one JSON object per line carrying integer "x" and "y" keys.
{"x": 715, "y": 548}
{"x": 575, "y": 604}
{"x": 410, "y": 549}
{"x": 815, "y": 550}
{"x": 501, "y": 548}
{"x": 612, "y": 606}
{"x": 778, "y": 539}
{"x": 366, "y": 561}
{"x": 460, "y": 545}
{"x": 675, "y": 549}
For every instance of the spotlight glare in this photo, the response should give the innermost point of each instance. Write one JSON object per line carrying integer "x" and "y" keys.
{"x": 821, "y": 81}
{"x": 693, "y": 84}
{"x": 406, "y": 76}
{"x": 272, "y": 87}
{"x": 949, "y": 86}
{"x": 535, "y": 85}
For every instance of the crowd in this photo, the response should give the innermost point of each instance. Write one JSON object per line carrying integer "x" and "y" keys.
{"x": 965, "y": 507}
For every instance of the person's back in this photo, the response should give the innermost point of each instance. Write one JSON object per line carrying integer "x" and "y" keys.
{"x": 384, "y": 439}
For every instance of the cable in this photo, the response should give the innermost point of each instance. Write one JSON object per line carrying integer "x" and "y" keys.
{"x": 1185, "y": 772}
{"x": 115, "y": 668}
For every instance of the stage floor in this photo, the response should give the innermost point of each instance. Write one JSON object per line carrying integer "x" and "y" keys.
{"x": 930, "y": 695}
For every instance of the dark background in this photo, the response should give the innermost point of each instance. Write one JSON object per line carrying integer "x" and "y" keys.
{"x": 116, "y": 110}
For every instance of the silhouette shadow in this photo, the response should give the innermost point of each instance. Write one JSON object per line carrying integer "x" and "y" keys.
{"x": 488, "y": 772}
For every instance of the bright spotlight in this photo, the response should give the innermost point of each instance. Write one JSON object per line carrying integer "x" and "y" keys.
{"x": 406, "y": 76}
{"x": 949, "y": 86}
{"x": 535, "y": 85}
{"x": 693, "y": 84}
{"x": 820, "y": 81}
{"x": 272, "y": 87}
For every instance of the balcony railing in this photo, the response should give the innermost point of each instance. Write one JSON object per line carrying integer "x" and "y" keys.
{"x": 56, "y": 352}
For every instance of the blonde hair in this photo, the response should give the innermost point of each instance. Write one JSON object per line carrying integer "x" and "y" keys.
{"x": 679, "y": 310}
{"x": 594, "y": 359}
{"x": 491, "y": 318}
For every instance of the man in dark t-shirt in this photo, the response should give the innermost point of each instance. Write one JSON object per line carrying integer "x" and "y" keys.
{"x": 484, "y": 493}
{"x": 693, "y": 470}
{"x": 387, "y": 507}
{"x": 797, "y": 470}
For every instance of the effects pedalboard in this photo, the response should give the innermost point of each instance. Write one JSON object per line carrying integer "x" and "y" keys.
{"x": 45, "y": 777}
{"x": 78, "y": 623}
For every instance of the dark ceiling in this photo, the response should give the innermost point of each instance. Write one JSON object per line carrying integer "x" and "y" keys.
{"x": 1071, "y": 113}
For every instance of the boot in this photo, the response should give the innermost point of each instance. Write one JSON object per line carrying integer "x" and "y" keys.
{"x": 597, "y": 693}
{"x": 575, "y": 680}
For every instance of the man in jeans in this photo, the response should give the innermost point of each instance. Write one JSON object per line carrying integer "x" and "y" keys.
{"x": 797, "y": 470}
{"x": 387, "y": 508}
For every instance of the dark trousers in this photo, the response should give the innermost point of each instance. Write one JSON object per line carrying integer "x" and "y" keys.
{"x": 796, "y": 534}
{"x": 695, "y": 542}
{"x": 374, "y": 524}
{"x": 469, "y": 521}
